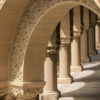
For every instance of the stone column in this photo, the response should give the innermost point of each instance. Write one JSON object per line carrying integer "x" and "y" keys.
{"x": 75, "y": 44}
{"x": 92, "y": 49}
{"x": 64, "y": 52}
{"x": 84, "y": 37}
{"x": 50, "y": 71}
{"x": 97, "y": 31}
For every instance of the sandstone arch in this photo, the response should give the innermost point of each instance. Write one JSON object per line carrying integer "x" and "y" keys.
{"x": 26, "y": 52}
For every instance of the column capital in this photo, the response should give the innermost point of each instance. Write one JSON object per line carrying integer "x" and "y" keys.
{"x": 65, "y": 41}
{"x": 51, "y": 51}
{"x": 25, "y": 90}
{"x": 76, "y": 34}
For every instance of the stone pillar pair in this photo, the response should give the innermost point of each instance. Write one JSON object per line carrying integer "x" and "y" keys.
{"x": 69, "y": 53}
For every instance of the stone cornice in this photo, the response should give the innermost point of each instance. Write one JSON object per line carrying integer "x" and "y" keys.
{"x": 26, "y": 84}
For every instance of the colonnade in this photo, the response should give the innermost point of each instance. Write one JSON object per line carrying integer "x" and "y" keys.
{"x": 78, "y": 31}
{"x": 79, "y": 38}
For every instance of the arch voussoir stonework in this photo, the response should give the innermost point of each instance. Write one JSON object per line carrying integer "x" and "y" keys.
{"x": 26, "y": 33}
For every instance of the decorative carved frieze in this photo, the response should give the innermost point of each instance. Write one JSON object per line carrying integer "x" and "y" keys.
{"x": 25, "y": 90}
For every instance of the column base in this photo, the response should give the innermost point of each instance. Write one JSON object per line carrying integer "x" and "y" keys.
{"x": 49, "y": 95}
{"x": 86, "y": 59}
{"x": 92, "y": 52}
{"x": 65, "y": 80}
{"x": 76, "y": 68}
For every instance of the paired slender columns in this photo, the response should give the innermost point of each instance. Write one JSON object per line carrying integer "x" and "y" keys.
{"x": 50, "y": 71}
{"x": 84, "y": 37}
{"x": 97, "y": 31}
{"x": 92, "y": 48}
{"x": 64, "y": 52}
{"x": 75, "y": 44}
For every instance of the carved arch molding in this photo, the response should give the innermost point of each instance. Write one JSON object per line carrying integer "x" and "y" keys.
{"x": 25, "y": 27}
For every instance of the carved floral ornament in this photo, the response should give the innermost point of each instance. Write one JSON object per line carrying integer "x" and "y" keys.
{"x": 24, "y": 90}
{"x": 31, "y": 14}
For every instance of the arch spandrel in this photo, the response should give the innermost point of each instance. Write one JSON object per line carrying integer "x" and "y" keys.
{"x": 33, "y": 33}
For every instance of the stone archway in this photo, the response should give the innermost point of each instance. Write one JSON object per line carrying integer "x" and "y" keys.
{"x": 34, "y": 30}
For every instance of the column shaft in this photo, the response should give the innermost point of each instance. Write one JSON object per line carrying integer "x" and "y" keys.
{"x": 50, "y": 74}
{"x": 75, "y": 55}
{"x": 64, "y": 62}
{"x": 98, "y": 36}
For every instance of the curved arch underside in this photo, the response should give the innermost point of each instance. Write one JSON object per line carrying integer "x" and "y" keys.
{"x": 33, "y": 33}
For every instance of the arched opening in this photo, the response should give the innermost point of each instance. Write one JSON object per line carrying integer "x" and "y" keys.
{"x": 26, "y": 51}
